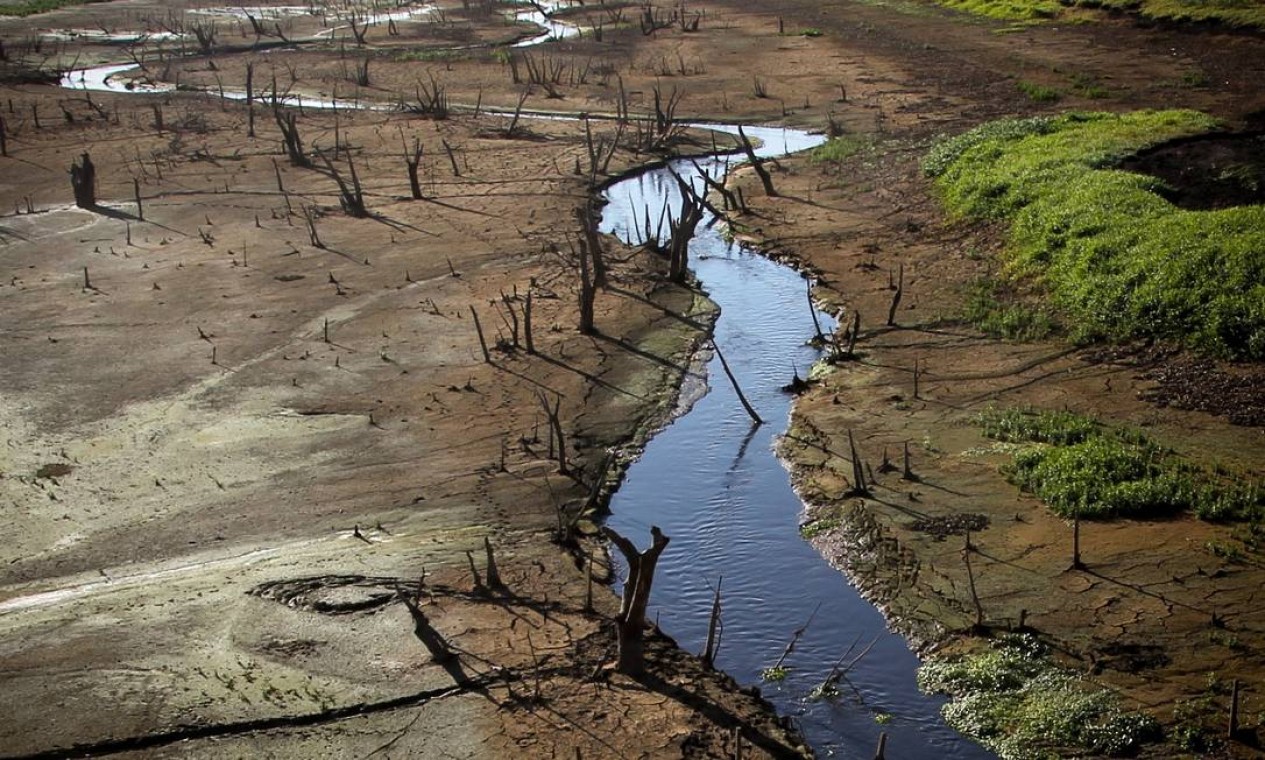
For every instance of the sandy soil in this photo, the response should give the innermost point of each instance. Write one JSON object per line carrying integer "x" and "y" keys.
{"x": 223, "y": 405}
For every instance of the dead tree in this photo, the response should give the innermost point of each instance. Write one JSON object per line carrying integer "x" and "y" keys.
{"x": 430, "y": 100}
{"x": 900, "y": 291}
{"x": 757, "y": 164}
{"x": 681, "y": 231}
{"x": 483, "y": 344}
{"x": 350, "y": 196}
{"x": 413, "y": 161}
{"x": 715, "y": 629}
{"x": 555, "y": 430}
{"x": 531, "y": 346}
{"x": 588, "y": 290}
{"x": 588, "y": 227}
{"x": 600, "y": 150}
{"x": 250, "y": 99}
{"x": 83, "y": 181}
{"x": 631, "y": 620}
{"x": 4, "y": 138}
{"x": 136, "y": 191}
{"x": 291, "y": 140}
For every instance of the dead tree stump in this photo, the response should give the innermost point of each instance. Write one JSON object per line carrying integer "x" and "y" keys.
{"x": 631, "y": 620}
{"x": 83, "y": 181}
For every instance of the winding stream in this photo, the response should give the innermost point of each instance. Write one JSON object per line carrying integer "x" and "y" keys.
{"x": 716, "y": 487}
{"x": 713, "y": 483}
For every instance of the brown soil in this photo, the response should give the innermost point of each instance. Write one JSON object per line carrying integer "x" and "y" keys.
{"x": 181, "y": 431}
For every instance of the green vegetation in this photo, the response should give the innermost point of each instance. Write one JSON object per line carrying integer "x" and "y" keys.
{"x": 775, "y": 673}
{"x": 1246, "y": 13}
{"x": 1038, "y": 93}
{"x": 1080, "y": 468}
{"x": 1119, "y": 260}
{"x": 1008, "y": 10}
{"x": 811, "y": 31}
{"x": 838, "y": 149}
{"x": 32, "y": 7}
{"x": 992, "y": 308}
{"x": 1014, "y": 700}
{"x": 819, "y": 526}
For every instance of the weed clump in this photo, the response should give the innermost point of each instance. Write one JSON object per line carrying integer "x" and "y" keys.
{"x": 1082, "y": 469}
{"x": 1017, "y": 702}
{"x": 996, "y": 312}
{"x": 838, "y": 149}
{"x": 1116, "y": 257}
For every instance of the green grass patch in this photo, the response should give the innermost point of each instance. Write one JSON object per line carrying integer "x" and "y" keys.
{"x": 31, "y": 7}
{"x": 1080, "y": 468}
{"x": 1119, "y": 261}
{"x": 1038, "y": 93}
{"x": 817, "y": 527}
{"x": 1008, "y": 10}
{"x": 1017, "y": 702}
{"x": 996, "y": 311}
{"x": 838, "y": 149}
{"x": 1240, "y": 13}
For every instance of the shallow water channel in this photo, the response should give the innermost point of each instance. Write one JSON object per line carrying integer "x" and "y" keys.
{"x": 713, "y": 483}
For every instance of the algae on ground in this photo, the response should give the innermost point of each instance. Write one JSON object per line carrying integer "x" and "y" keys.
{"x": 1016, "y": 701}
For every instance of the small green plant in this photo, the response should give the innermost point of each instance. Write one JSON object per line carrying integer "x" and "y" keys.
{"x": 1036, "y": 426}
{"x": 811, "y": 31}
{"x": 838, "y": 149}
{"x": 1225, "y": 551}
{"x": 775, "y": 673}
{"x": 1038, "y": 93}
{"x": 1088, "y": 86}
{"x": 817, "y": 527}
{"x": 1194, "y": 78}
{"x": 996, "y": 311}
{"x": 882, "y": 718}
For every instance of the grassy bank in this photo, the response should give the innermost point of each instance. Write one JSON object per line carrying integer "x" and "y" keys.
{"x": 1115, "y": 256}
{"x": 1239, "y": 13}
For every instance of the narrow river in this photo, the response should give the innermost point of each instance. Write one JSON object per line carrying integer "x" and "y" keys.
{"x": 716, "y": 487}
{"x": 713, "y": 483}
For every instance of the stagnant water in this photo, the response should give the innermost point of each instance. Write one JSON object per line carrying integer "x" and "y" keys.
{"x": 713, "y": 483}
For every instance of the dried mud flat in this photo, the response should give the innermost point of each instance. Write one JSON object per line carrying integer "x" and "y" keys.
{"x": 230, "y": 452}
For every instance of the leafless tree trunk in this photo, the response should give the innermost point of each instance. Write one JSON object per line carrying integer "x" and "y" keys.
{"x": 83, "y": 181}
{"x": 588, "y": 226}
{"x": 350, "y": 196}
{"x": 757, "y": 164}
{"x": 250, "y": 99}
{"x": 900, "y": 290}
{"x": 714, "y": 629}
{"x": 631, "y": 620}
{"x": 291, "y": 140}
{"x": 413, "y": 162}
{"x": 588, "y": 293}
